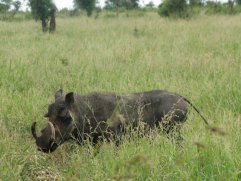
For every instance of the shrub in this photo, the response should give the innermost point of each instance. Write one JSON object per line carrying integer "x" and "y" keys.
{"x": 173, "y": 8}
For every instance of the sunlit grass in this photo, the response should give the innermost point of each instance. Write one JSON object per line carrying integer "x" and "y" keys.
{"x": 199, "y": 59}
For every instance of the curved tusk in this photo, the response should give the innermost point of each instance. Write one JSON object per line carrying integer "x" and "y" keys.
{"x": 52, "y": 130}
{"x": 33, "y": 129}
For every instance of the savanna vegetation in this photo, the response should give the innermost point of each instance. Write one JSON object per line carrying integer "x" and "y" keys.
{"x": 132, "y": 52}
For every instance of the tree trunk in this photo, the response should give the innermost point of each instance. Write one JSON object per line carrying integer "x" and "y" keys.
{"x": 230, "y": 5}
{"x": 44, "y": 25}
{"x": 52, "y": 24}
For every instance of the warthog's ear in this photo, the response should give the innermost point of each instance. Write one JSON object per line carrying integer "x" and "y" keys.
{"x": 58, "y": 94}
{"x": 69, "y": 99}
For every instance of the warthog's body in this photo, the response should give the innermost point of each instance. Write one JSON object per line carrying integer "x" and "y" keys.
{"x": 99, "y": 115}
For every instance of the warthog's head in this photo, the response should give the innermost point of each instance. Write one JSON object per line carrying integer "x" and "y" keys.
{"x": 60, "y": 123}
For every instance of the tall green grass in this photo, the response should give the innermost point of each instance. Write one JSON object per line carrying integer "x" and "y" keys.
{"x": 199, "y": 59}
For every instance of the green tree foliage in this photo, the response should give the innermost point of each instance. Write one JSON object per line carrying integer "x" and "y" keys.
{"x": 128, "y": 4}
{"x": 16, "y": 5}
{"x": 5, "y": 5}
{"x": 214, "y": 7}
{"x": 196, "y": 2}
{"x": 150, "y": 5}
{"x": 88, "y": 5}
{"x": 109, "y": 4}
{"x": 42, "y": 9}
{"x": 238, "y": 2}
{"x": 9, "y": 8}
{"x": 173, "y": 8}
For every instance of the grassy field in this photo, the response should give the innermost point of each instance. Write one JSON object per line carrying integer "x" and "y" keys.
{"x": 199, "y": 59}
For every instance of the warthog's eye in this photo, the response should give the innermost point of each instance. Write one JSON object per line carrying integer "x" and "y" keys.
{"x": 63, "y": 114}
{"x": 61, "y": 106}
{"x": 60, "y": 109}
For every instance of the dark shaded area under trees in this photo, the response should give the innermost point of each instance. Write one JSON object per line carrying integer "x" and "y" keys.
{"x": 187, "y": 9}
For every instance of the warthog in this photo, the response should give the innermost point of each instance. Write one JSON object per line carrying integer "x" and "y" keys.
{"x": 98, "y": 115}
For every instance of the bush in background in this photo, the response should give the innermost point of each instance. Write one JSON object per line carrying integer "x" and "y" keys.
{"x": 173, "y": 8}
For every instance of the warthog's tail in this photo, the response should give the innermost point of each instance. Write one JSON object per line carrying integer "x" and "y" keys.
{"x": 189, "y": 102}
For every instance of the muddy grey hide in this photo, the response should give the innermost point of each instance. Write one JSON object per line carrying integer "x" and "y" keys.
{"x": 109, "y": 116}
